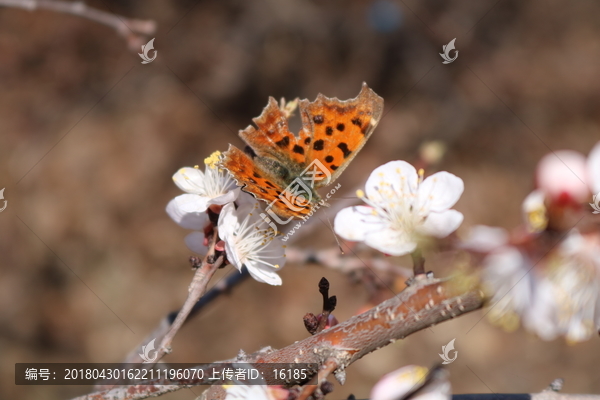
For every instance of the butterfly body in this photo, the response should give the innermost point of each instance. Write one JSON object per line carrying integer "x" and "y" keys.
{"x": 286, "y": 170}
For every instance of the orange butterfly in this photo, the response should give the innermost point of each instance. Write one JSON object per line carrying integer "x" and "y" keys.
{"x": 284, "y": 169}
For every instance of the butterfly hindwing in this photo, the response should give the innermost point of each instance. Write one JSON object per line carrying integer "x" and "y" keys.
{"x": 261, "y": 183}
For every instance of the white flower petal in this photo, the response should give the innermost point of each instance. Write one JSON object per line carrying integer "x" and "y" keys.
{"x": 441, "y": 224}
{"x": 484, "y": 239}
{"x": 398, "y": 384}
{"x": 179, "y": 210}
{"x": 263, "y": 275}
{"x": 593, "y": 164}
{"x": 245, "y": 392}
{"x": 190, "y": 180}
{"x": 399, "y": 176}
{"x": 228, "y": 197}
{"x": 539, "y": 309}
{"x": 190, "y": 203}
{"x": 232, "y": 254}
{"x": 249, "y": 243}
{"x": 563, "y": 174}
{"x": 228, "y": 221}
{"x": 440, "y": 191}
{"x": 245, "y": 200}
{"x": 195, "y": 242}
{"x": 353, "y": 223}
{"x": 391, "y": 241}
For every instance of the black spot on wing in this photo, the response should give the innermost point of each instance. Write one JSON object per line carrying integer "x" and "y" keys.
{"x": 298, "y": 149}
{"x": 329, "y": 131}
{"x": 318, "y": 119}
{"x": 307, "y": 140}
{"x": 283, "y": 142}
{"x": 344, "y": 147}
{"x": 357, "y": 122}
{"x": 329, "y": 159}
{"x": 333, "y": 167}
{"x": 318, "y": 145}
{"x": 340, "y": 127}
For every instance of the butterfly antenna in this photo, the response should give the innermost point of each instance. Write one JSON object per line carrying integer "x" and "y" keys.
{"x": 334, "y": 234}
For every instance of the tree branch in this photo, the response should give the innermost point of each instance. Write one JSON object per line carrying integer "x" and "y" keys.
{"x": 130, "y": 29}
{"x": 426, "y": 302}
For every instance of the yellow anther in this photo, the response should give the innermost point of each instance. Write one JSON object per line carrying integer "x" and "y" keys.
{"x": 537, "y": 219}
{"x": 360, "y": 194}
{"x": 213, "y": 159}
{"x": 196, "y": 166}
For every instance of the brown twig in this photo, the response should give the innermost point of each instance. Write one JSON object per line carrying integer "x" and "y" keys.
{"x": 197, "y": 288}
{"x": 326, "y": 369}
{"x": 130, "y": 29}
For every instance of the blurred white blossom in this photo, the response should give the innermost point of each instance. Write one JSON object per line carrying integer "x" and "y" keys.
{"x": 553, "y": 295}
{"x": 565, "y": 182}
{"x": 402, "y": 207}
{"x": 413, "y": 380}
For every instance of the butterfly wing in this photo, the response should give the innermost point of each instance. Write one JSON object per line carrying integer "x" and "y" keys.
{"x": 263, "y": 184}
{"x": 272, "y": 138}
{"x": 333, "y": 132}
{"x": 339, "y": 129}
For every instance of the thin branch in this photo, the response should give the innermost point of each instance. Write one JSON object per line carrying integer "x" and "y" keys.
{"x": 197, "y": 288}
{"x": 332, "y": 258}
{"x": 130, "y": 29}
{"x": 326, "y": 369}
{"x": 163, "y": 327}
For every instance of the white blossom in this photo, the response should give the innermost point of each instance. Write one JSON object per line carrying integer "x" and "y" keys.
{"x": 250, "y": 242}
{"x": 402, "y": 207}
{"x": 203, "y": 189}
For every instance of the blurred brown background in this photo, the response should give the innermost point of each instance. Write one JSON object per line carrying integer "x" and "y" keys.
{"x": 89, "y": 139}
